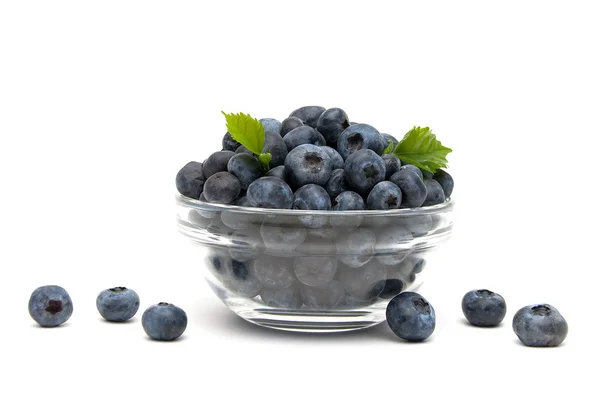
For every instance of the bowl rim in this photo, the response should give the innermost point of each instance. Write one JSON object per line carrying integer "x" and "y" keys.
{"x": 446, "y": 206}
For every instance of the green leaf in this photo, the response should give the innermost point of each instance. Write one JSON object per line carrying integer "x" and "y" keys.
{"x": 246, "y": 130}
{"x": 265, "y": 159}
{"x": 390, "y": 148}
{"x": 421, "y": 148}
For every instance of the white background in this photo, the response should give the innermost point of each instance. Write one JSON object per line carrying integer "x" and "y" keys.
{"x": 102, "y": 102}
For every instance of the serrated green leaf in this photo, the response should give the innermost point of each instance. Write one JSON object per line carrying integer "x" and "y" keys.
{"x": 265, "y": 159}
{"x": 421, "y": 148}
{"x": 390, "y": 148}
{"x": 246, "y": 130}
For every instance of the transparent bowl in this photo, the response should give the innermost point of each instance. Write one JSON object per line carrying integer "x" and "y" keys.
{"x": 317, "y": 271}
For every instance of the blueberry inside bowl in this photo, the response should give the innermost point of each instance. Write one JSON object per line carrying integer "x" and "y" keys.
{"x": 311, "y": 270}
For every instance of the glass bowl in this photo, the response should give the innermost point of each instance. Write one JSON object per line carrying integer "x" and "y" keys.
{"x": 317, "y": 271}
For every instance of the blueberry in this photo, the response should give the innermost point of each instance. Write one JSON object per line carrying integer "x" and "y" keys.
{"x": 392, "y": 164}
{"x": 347, "y": 201}
{"x": 336, "y": 183}
{"x": 245, "y": 246}
{"x": 418, "y": 225}
{"x": 315, "y": 270}
{"x": 435, "y": 193}
{"x": 288, "y": 124}
{"x": 326, "y": 297}
{"x": 240, "y": 281}
{"x": 270, "y": 192}
{"x": 540, "y": 325}
{"x": 410, "y": 316}
{"x": 246, "y": 168}
{"x": 483, "y": 307}
{"x": 426, "y": 174}
{"x": 386, "y": 139}
{"x": 229, "y": 143}
{"x": 355, "y": 248}
{"x": 277, "y": 172}
{"x": 337, "y": 161}
{"x": 309, "y": 115}
{"x": 393, "y": 244}
{"x": 219, "y": 263}
{"x": 240, "y": 220}
{"x": 222, "y": 187}
{"x": 288, "y": 298}
{"x": 190, "y": 180}
{"x": 332, "y": 123}
{"x": 117, "y": 304}
{"x": 306, "y": 164}
{"x": 216, "y": 162}
{"x": 272, "y": 272}
{"x": 364, "y": 283}
{"x": 412, "y": 168}
{"x": 357, "y": 137}
{"x": 50, "y": 306}
{"x": 316, "y": 246}
{"x": 445, "y": 180}
{"x": 303, "y": 135}
{"x": 282, "y": 239}
{"x": 270, "y": 124}
{"x": 197, "y": 219}
{"x": 414, "y": 191}
{"x": 392, "y": 287}
{"x": 311, "y": 197}
{"x": 384, "y": 196}
{"x": 164, "y": 321}
{"x": 364, "y": 169}
{"x": 241, "y": 201}
{"x": 273, "y": 144}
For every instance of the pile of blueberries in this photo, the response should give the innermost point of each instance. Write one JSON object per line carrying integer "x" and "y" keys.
{"x": 320, "y": 161}
{"x": 408, "y": 314}
{"x": 51, "y": 306}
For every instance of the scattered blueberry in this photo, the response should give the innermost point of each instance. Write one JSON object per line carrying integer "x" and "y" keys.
{"x": 332, "y": 123}
{"x": 540, "y": 325}
{"x": 364, "y": 169}
{"x": 483, "y": 307}
{"x": 229, "y": 143}
{"x": 270, "y": 192}
{"x": 357, "y": 137}
{"x": 216, "y": 162}
{"x": 392, "y": 164}
{"x": 384, "y": 196}
{"x": 222, "y": 187}
{"x": 270, "y": 124}
{"x": 190, "y": 180}
{"x": 289, "y": 124}
{"x": 164, "y": 321}
{"x": 410, "y": 316}
{"x": 50, "y": 306}
{"x": 445, "y": 180}
{"x": 306, "y": 164}
{"x": 309, "y": 115}
{"x": 303, "y": 135}
{"x": 413, "y": 188}
{"x": 435, "y": 193}
{"x": 117, "y": 304}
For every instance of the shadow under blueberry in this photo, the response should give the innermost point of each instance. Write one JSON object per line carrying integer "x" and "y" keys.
{"x": 470, "y": 325}
{"x": 50, "y": 327}
{"x": 181, "y": 338}
{"x": 129, "y": 321}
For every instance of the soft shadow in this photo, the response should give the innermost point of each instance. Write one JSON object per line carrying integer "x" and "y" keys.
{"x": 518, "y": 342}
{"x": 49, "y": 327}
{"x": 181, "y": 338}
{"x": 470, "y": 325}
{"x": 129, "y": 321}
